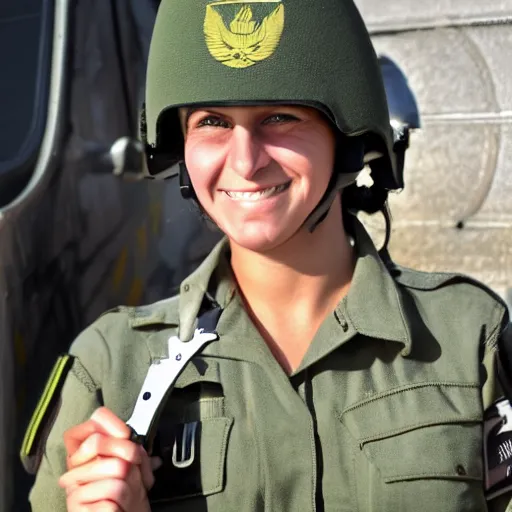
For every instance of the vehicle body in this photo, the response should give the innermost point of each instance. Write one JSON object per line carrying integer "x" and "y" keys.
{"x": 76, "y": 240}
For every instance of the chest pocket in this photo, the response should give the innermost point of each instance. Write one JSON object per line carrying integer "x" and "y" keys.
{"x": 192, "y": 436}
{"x": 422, "y": 448}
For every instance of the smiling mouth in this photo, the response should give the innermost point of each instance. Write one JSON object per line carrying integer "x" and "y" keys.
{"x": 260, "y": 194}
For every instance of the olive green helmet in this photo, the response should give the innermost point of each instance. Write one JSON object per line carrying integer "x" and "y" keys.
{"x": 313, "y": 53}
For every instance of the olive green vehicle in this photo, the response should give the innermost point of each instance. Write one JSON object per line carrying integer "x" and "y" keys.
{"x": 81, "y": 230}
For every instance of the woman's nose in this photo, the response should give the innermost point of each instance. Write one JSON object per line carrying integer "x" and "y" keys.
{"x": 246, "y": 155}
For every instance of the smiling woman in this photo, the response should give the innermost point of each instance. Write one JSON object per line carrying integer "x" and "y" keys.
{"x": 298, "y": 369}
{"x": 259, "y": 171}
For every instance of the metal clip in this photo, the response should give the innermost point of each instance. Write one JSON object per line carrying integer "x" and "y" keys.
{"x": 188, "y": 443}
{"x": 160, "y": 379}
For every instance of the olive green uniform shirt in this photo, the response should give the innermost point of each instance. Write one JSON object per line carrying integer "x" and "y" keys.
{"x": 384, "y": 413}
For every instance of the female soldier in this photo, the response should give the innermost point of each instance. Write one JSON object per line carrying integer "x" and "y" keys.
{"x": 312, "y": 374}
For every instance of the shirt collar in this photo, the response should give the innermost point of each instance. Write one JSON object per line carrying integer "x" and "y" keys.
{"x": 374, "y": 304}
{"x": 199, "y": 284}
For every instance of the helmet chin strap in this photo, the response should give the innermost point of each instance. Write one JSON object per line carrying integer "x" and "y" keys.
{"x": 349, "y": 161}
{"x": 338, "y": 182}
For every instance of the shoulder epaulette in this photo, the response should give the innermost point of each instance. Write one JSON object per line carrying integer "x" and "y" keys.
{"x": 164, "y": 312}
{"x": 419, "y": 280}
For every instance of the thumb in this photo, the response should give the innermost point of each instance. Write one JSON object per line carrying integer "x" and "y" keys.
{"x": 147, "y": 467}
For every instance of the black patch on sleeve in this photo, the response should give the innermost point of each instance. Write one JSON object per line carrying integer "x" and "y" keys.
{"x": 498, "y": 449}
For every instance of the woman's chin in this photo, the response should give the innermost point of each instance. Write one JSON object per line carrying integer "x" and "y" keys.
{"x": 256, "y": 238}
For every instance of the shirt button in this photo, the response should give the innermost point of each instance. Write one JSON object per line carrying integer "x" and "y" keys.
{"x": 186, "y": 288}
{"x": 460, "y": 470}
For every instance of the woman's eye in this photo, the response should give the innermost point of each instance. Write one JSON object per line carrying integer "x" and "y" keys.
{"x": 213, "y": 121}
{"x": 280, "y": 118}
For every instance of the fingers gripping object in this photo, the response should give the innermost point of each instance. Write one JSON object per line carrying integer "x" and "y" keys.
{"x": 163, "y": 374}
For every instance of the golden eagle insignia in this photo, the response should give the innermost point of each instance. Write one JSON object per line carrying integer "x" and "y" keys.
{"x": 246, "y": 41}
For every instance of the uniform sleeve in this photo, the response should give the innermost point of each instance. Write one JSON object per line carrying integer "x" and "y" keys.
{"x": 494, "y": 374}
{"x": 80, "y": 396}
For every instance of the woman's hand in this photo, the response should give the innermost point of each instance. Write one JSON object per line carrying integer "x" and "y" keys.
{"x": 106, "y": 471}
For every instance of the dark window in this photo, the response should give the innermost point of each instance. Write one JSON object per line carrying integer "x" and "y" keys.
{"x": 25, "y": 59}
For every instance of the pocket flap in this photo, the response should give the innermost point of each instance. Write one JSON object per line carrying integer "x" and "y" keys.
{"x": 423, "y": 431}
{"x": 415, "y": 406}
{"x": 437, "y": 452}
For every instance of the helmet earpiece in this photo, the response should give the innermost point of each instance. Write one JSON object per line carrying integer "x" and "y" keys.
{"x": 186, "y": 188}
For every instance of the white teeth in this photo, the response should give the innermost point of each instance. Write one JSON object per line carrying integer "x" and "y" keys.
{"x": 255, "y": 196}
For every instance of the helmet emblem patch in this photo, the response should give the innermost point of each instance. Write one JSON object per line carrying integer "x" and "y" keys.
{"x": 245, "y": 41}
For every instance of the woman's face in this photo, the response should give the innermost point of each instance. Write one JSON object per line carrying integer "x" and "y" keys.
{"x": 258, "y": 171}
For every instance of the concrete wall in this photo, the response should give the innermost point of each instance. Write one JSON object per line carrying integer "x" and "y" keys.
{"x": 455, "y": 212}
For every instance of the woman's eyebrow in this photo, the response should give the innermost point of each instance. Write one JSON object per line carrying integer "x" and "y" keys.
{"x": 190, "y": 110}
